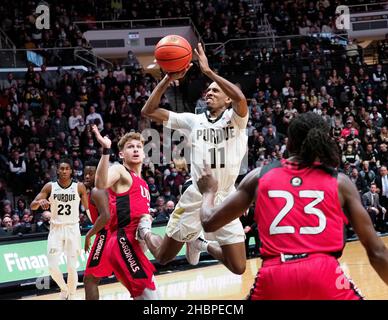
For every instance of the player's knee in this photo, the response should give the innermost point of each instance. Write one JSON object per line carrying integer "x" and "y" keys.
{"x": 164, "y": 259}
{"x": 71, "y": 263}
{"x": 237, "y": 268}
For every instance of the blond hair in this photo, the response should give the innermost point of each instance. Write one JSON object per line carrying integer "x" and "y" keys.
{"x": 130, "y": 136}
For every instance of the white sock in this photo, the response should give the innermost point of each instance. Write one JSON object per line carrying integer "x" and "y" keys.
{"x": 72, "y": 275}
{"x": 55, "y": 272}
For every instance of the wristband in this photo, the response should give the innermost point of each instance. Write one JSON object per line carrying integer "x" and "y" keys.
{"x": 106, "y": 151}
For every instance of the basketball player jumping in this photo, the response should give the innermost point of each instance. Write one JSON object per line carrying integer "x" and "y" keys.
{"x": 129, "y": 199}
{"x": 218, "y": 136}
{"x": 98, "y": 265}
{"x": 299, "y": 203}
{"x": 63, "y": 198}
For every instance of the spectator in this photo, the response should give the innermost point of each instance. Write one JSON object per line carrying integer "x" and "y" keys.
{"x": 164, "y": 215}
{"x": 76, "y": 120}
{"x": 379, "y": 75}
{"x": 94, "y": 118}
{"x": 7, "y": 229}
{"x": 372, "y": 204}
{"x": 250, "y": 230}
{"x": 59, "y": 124}
{"x": 43, "y": 225}
{"x": 358, "y": 181}
{"x": 21, "y": 205}
{"x": 367, "y": 174}
{"x": 17, "y": 168}
{"x": 382, "y": 186}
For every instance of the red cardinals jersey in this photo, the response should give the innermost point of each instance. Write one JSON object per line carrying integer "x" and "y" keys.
{"x": 92, "y": 208}
{"x": 126, "y": 208}
{"x": 298, "y": 210}
{"x": 94, "y": 211}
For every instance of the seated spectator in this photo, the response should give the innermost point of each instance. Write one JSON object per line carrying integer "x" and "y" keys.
{"x": 21, "y": 205}
{"x": 95, "y": 118}
{"x": 348, "y": 129}
{"x": 17, "y": 168}
{"x": 372, "y": 204}
{"x": 379, "y": 75}
{"x": 43, "y": 225}
{"x": 358, "y": 181}
{"x": 367, "y": 174}
{"x": 6, "y": 226}
{"x": 164, "y": 215}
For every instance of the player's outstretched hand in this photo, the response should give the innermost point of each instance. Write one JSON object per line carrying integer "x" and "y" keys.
{"x": 105, "y": 142}
{"x": 44, "y": 204}
{"x": 180, "y": 74}
{"x": 202, "y": 59}
{"x": 206, "y": 182}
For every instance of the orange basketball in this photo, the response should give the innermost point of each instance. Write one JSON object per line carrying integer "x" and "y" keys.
{"x": 173, "y": 53}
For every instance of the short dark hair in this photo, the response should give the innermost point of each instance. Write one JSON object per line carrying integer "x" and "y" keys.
{"x": 67, "y": 161}
{"x": 91, "y": 163}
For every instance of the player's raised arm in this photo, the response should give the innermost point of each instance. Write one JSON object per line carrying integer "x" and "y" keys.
{"x": 232, "y": 207}
{"x": 101, "y": 201}
{"x": 41, "y": 199}
{"x": 105, "y": 176}
{"x": 151, "y": 108}
{"x": 376, "y": 250}
{"x": 239, "y": 101}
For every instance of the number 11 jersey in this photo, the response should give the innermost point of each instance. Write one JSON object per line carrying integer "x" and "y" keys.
{"x": 221, "y": 143}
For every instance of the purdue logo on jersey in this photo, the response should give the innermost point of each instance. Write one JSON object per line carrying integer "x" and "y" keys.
{"x": 296, "y": 181}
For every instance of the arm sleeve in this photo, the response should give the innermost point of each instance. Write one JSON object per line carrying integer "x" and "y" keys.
{"x": 180, "y": 120}
{"x": 240, "y": 122}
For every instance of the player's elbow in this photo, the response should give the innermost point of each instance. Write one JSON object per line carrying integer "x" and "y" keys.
{"x": 144, "y": 111}
{"x": 208, "y": 226}
{"x": 378, "y": 255}
{"x": 105, "y": 217}
{"x": 99, "y": 184}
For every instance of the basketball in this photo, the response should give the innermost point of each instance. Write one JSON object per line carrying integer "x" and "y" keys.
{"x": 173, "y": 53}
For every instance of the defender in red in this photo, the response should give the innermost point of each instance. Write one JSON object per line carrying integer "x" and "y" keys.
{"x": 129, "y": 199}
{"x": 300, "y": 205}
{"x": 98, "y": 265}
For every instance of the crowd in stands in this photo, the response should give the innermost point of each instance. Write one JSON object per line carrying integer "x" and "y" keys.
{"x": 47, "y": 116}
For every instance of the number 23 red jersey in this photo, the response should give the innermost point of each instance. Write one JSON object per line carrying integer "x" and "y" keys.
{"x": 298, "y": 210}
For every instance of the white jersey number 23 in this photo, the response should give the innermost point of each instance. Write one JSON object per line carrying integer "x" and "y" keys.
{"x": 318, "y": 196}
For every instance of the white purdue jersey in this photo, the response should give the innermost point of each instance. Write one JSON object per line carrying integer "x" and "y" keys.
{"x": 64, "y": 204}
{"x": 222, "y": 143}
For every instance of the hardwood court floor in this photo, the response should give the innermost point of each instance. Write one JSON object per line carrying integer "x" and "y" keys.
{"x": 216, "y": 282}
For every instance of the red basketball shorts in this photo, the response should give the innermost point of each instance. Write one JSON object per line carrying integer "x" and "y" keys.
{"x": 315, "y": 277}
{"x": 98, "y": 264}
{"x": 130, "y": 265}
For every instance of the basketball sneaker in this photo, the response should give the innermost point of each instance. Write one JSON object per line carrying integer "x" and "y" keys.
{"x": 194, "y": 249}
{"x": 63, "y": 295}
{"x": 143, "y": 227}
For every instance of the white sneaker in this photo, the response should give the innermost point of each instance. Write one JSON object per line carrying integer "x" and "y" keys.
{"x": 71, "y": 297}
{"x": 63, "y": 295}
{"x": 143, "y": 227}
{"x": 194, "y": 249}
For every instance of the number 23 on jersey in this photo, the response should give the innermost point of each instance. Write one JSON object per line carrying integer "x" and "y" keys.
{"x": 317, "y": 196}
